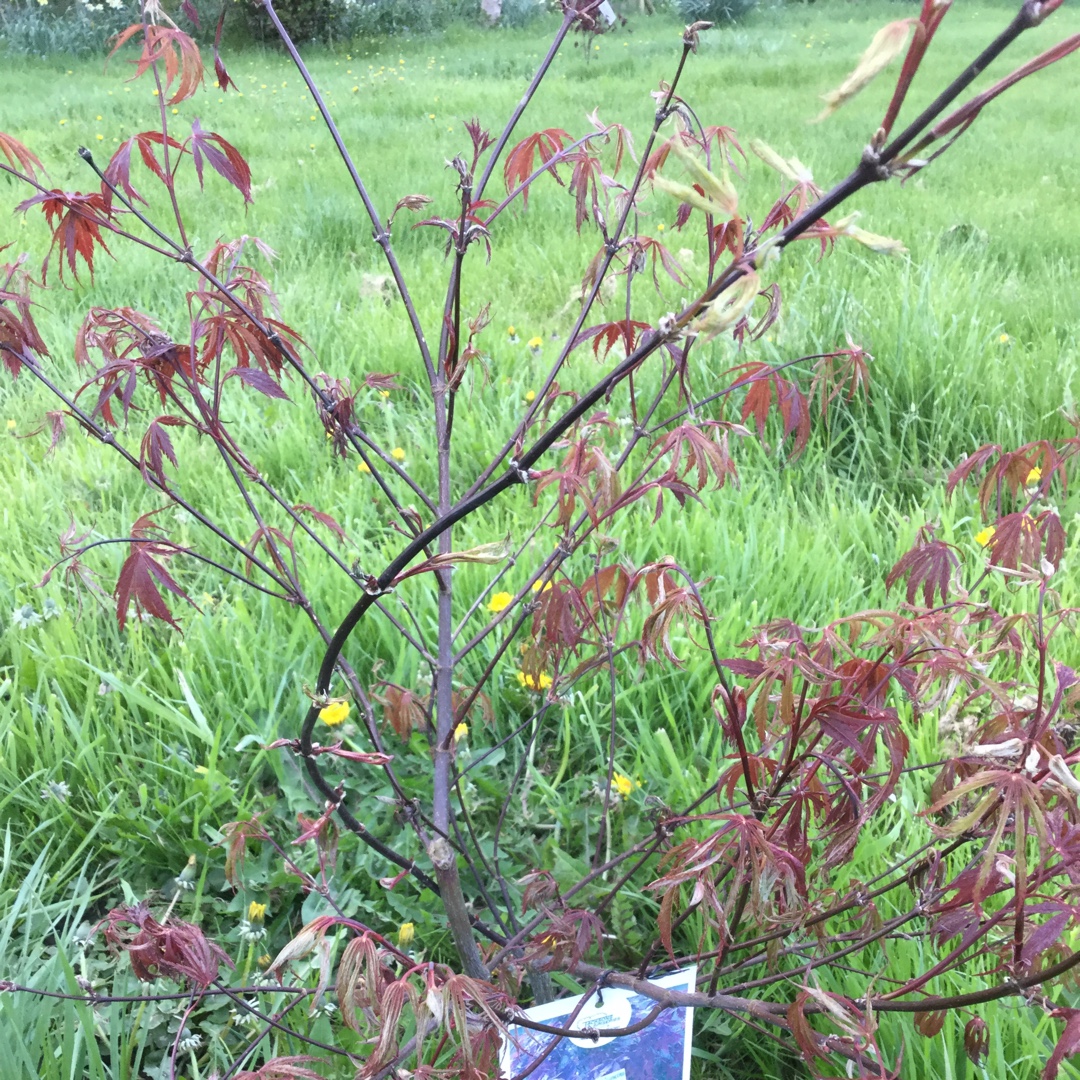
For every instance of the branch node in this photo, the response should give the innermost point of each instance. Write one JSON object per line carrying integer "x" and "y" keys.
{"x": 522, "y": 475}
{"x": 871, "y": 162}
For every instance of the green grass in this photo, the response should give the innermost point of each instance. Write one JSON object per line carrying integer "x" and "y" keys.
{"x": 154, "y": 769}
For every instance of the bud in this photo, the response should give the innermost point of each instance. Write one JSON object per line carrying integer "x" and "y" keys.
{"x": 406, "y": 933}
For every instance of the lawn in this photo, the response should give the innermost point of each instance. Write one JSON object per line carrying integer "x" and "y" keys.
{"x": 158, "y": 736}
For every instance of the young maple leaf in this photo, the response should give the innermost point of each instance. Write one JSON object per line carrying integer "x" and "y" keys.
{"x": 1068, "y": 1042}
{"x": 585, "y": 183}
{"x": 930, "y": 564}
{"x": 221, "y": 156}
{"x": 144, "y": 571}
{"x": 702, "y": 454}
{"x": 1022, "y": 541}
{"x": 118, "y": 171}
{"x": 223, "y": 79}
{"x": 21, "y": 157}
{"x": 763, "y": 381}
{"x": 283, "y": 1068}
{"x": 19, "y": 337}
{"x": 257, "y": 379}
{"x": 169, "y": 46}
{"x": 76, "y": 222}
{"x": 156, "y": 447}
{"x": 178, "y": 950}
{"x": 520, "y": 161}
{"x": 609, "y": 334}
{"x": 323, "y": 519}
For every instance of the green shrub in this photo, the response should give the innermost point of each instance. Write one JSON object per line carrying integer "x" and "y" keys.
{"x": 31, "y": 28}
{"x": 713, "y": 10}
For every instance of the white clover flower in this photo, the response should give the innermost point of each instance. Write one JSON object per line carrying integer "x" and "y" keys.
{"x": 57, "y": 790}
{"x": 24, "y": 617}
{"x": 50, "y": 608}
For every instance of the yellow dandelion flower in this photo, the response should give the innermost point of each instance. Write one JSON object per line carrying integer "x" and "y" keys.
{"x": 11, "y": 425}
{"x": 983, "y": 538}
{"x": 499, "y": 602}
{"x": 100, "y": 138}
{"x": 511, "y": 331}
{"x": 534, "y": 682}
{"x": 530, "y": 396}
{"x": 334, "y": 713}
{"x": 397, "y": 454}
{"x": 1004, "y": 339}
{"x": 364, "y": 468}
{"x": 536, "y": 342}
{"x": 1034, "y": 476}
{"x": 256, "y": 911}
{"x": 623, "y": 784}
{"x": 406, "y": 933}
{"x": 461, "y": 732}
{"x": 541, "y": 586}
{"x": 660, "y": 227}
{"x": 384, "y": 394}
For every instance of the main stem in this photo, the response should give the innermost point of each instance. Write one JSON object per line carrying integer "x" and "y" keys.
{"x": 440, "y": 850}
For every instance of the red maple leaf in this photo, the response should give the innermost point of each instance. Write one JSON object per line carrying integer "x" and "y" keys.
{"x": 144, "y": 571}
{"x": 173, "y": 48}
{"x": 76, "y": 222}
{"x": 520, "y": 161}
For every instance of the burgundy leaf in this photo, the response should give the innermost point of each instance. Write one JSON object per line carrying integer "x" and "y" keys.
{"x": 1068, "y": 1042}
{"x": 323, "y": 519}
{"x": 929, "y": 564}
{"x": 223, "y": 79}
{"x": 257, "y": 379}
{"x": 222, "y": 157}
{"x": 76, "y": 223}
{"x": 156, "y": 447}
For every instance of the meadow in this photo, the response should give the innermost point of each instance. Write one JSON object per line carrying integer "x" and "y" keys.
{"x": 124, "y": 753}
